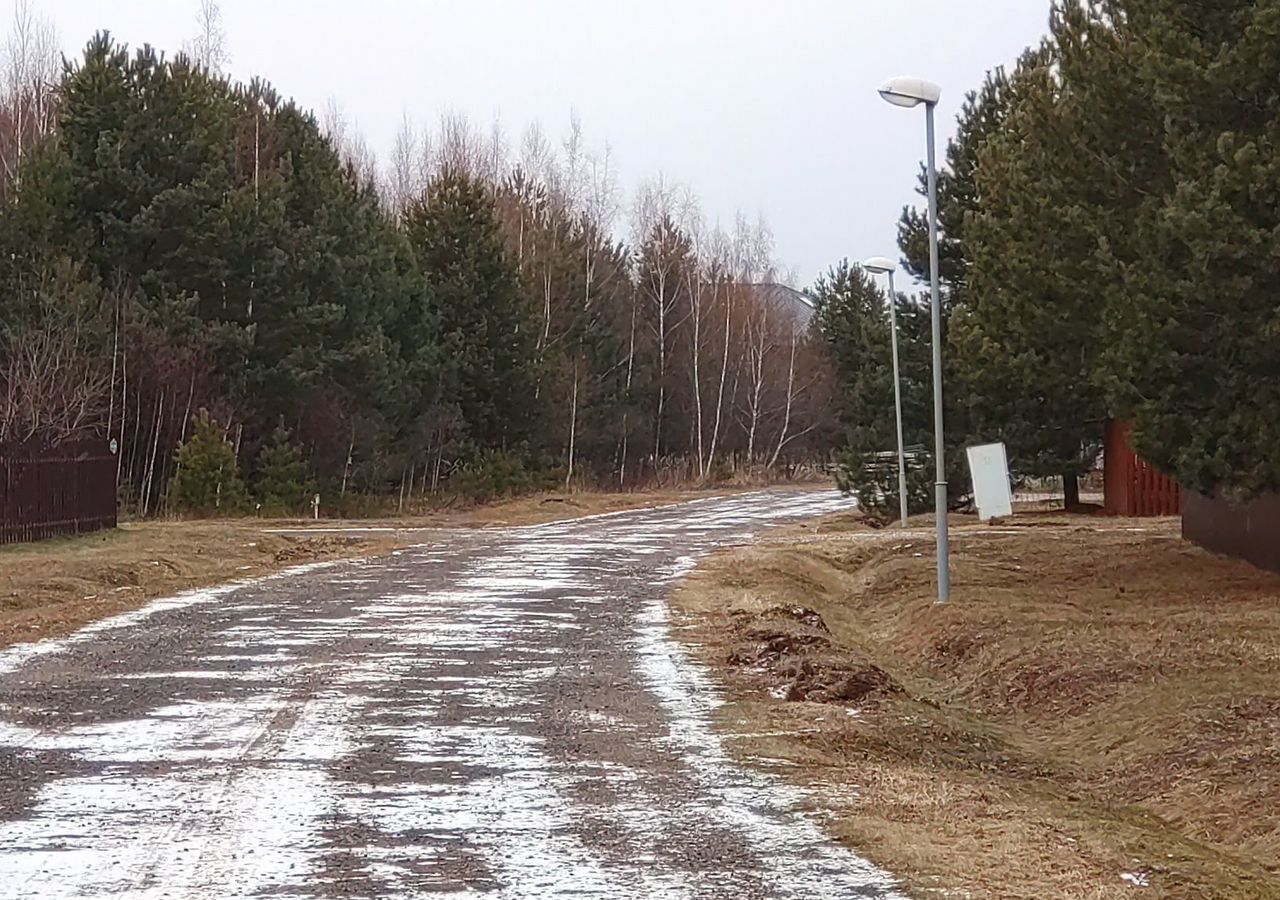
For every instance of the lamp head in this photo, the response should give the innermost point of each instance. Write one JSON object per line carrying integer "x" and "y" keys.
{"x": 879, "y": 265}
{"x": 909, "y": 92}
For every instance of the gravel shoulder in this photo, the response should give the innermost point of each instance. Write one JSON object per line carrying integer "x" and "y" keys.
{"x": 1095, "y": 715}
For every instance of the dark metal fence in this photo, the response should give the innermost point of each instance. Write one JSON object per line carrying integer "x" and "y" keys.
{"x": 1249, "y": 531}
{"x": 65, "y": 490}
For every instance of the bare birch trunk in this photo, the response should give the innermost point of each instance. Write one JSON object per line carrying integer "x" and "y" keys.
{"x": 573, "y": 428}
{"x": 346, "y": 470}
{"x": 131, "y": 480}
{"x": 695, "y": 313}
{"x": 149, "y": 478}
{"x": 186, "y": 415}
{"x": 626, "y": 412}
{"x": 786, "y": 415}
{"x": 124, "y": 413}
{"x": 115, "y": 356}
{"x": 662, "y": 374}
{"x": 724, "y": 371}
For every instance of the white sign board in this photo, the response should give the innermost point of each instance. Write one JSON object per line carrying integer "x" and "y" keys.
{"x": 989, "y": 468}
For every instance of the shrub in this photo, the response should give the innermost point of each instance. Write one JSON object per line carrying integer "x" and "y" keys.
{"x": 208, "y": 480}
{"x": 497, "y": 474}
{"x": 872, "y": 479}
{"x": 282, "y": 485}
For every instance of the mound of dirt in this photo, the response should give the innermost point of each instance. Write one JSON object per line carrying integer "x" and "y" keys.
{"x": 836, "y": 679}
{"x": 305, "y": 549}
{"x": 794, "y": 644}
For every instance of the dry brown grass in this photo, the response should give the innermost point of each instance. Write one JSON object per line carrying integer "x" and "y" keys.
{"x": 1100, "y": 698}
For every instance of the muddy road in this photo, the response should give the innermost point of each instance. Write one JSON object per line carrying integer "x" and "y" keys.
{"x": 496, "y": 713}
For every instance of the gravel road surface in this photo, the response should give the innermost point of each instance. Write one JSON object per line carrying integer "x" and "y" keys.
{"x": 498, "y": 713}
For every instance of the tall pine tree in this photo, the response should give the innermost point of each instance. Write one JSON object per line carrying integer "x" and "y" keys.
{"x": 473, "y": 295}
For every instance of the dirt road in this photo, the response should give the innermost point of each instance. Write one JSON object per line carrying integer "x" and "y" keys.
{"x": 497, "y": 713}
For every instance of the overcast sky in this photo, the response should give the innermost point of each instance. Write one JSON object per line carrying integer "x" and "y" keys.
{"x": 760, "y": 105}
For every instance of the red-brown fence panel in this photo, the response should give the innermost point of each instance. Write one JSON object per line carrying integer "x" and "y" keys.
{"x": 47, "y": 492}
{"x": 1132, "y": 486}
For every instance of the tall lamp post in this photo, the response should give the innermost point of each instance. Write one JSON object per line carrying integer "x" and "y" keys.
{"x": 881, "y": 266}
{"x": 910, "y": 93}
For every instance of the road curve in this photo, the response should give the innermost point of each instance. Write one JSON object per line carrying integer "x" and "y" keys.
{"x": 496, "y": 713}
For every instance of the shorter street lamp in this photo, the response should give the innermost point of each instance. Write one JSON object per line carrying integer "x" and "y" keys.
{"x": 878, "y": 265}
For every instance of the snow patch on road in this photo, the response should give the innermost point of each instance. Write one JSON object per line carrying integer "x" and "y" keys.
{"x": 388, "y": 738}
{"x": 803, "y": 862}
{"x": 14, "y": 658}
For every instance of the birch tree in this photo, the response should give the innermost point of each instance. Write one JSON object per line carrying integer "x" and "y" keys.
{"x": 664, "y": 252}
{"x": 350, "y": 144}
{"x": 405, "y": 180}
{"x": 29, "y": 74}
{"x": 209, "y": 48}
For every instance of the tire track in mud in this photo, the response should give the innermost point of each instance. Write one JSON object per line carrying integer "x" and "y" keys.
{"x": 499, "y": 713}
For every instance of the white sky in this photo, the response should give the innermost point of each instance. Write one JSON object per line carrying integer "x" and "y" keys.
{"x": 760, "y": 105}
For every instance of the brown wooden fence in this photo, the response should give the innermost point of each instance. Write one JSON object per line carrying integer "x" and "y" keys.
{"x": 44, "y": 493}
{"x": 1132, "y": 487}
{"x": 1249, "y": 530}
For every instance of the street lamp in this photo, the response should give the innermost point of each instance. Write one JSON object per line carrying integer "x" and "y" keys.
{"x": 910, "y": 93}
{"x": 881, "y": 266}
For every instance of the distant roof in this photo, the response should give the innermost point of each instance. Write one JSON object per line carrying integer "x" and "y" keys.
{"x": 787, "y": 298}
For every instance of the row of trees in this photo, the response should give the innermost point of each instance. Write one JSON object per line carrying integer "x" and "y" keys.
{"x": 1109, "y": 217}
{"x": 172, "y": 242}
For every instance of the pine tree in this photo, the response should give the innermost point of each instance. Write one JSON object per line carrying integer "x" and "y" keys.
{"x": 473, "y": 292}
{"x": 247, "y": 268}
{"x": 981, "y": 118}
{"x": 1189, "y": 230}
{"x": 208, "y": 479}
{"x": 853, "y": 319}
{"x": 1027, "y": 340}
{"x": 281, "y": 485}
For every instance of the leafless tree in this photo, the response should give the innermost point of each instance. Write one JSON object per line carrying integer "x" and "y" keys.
{"x": 700, "y": 287}
{"x": 495, "y": 161}
{"x": 798, "y": 385}
{"x": 349, "y": 143}
{"x": 405, "y": 179}
{"x": 460, "y": 149}
{"x": 55, "y": 378}
{"x": 724, "y": 294}
{"x": 658, "y": 236}
{"x": 536, "y": 155}
{"x": 595, "y": 211}
{"x": 760, "y": 344}
{"x": 29, "y": 71}
{"x": 209, "y": 48}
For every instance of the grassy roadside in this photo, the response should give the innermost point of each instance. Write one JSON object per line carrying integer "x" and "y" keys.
{"x": 52, "y": 588}
{"x": 1096, "y": 715}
